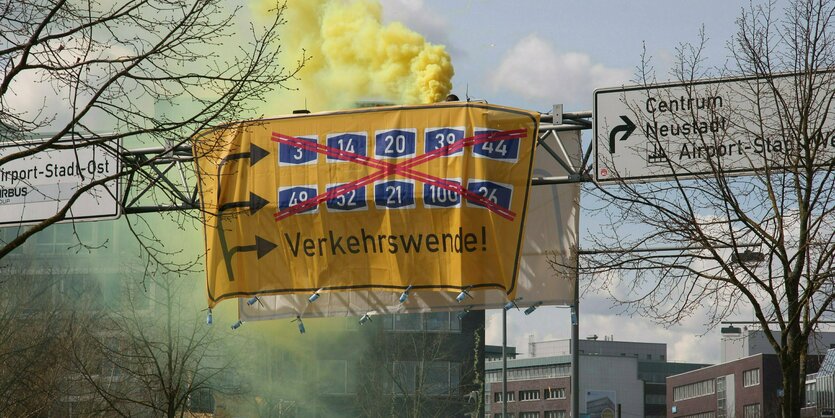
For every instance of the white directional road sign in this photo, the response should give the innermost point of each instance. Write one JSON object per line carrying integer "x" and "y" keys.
{"x": 645, "y": 133}
{"x": 36, "y": 187}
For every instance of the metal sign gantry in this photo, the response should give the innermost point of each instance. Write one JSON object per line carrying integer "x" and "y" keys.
{"x": 164, "y": 180}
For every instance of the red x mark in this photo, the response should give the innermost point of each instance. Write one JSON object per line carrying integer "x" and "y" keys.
{"x": 403, "y": 168}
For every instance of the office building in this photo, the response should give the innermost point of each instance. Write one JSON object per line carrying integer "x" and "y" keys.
{"x": 747, "y": 384}
{"x": 628, "y": 377}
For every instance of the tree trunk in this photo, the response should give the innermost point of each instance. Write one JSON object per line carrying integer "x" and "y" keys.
{"x": 793, "y": 380}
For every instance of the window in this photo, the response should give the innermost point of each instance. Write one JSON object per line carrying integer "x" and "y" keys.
{"x": 751, "y": 377}
{"x": 281, "y": 366}
{"x": 109, "y": 369}
{"x": 56, "y": 238}
{"x": 430, "y": 377}
{"x": 403, "y": 377}
{"x": 811, "y": 393}
{"x": 445, "y": 322}
{"x": 499, "y": 415}
{"x": 438, "y": 321}
{"x": 528, "y": 414}
{"x": 9, "y": 234}
{"x": 351, "y": 383}
{"x": 59, "y": 238}
{"x": 693, "y": 390}
{"x": 555, "y": 393}
{"x": 272, "y": 370}
{"x": 721, "y": 398}
{"x": 555, "y": 414}
{"x": 408, "y": 322}
{"x": 201, "y": 401}
{"x": 530, "y": 373}
{"x": 81, "y": 288}
{"x": 497, "y": 397}
{"x": 751, "y": 411}
{"x": 528, "y": 395}
{"x": 333, "y": 376}
{"x": 441, "y": 377}
{"x": 701, "y": 415}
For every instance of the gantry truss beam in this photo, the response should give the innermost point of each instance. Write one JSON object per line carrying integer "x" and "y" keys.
{"x": 164, "y": 180}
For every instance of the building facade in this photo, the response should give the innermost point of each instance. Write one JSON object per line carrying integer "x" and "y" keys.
{"x": 737, "y": 343}
{"x": 745, "y": 388}
{"x": 820, "y": 389}
{"x": 494, "y": 352}
{"x": 404, "y": 365}
{"x": 748, "y": 382}
{"x": 622, "y": 377}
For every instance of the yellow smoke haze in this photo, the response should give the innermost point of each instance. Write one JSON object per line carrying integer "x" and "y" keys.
{"x": 354, "y": 57}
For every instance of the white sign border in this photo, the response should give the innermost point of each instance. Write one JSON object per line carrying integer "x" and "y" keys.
{"x": 596, "y": 140}
{"x": 117, "y": 195}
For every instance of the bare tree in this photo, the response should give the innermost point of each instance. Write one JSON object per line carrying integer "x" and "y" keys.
{"x": 150, "y": 357}
{"x": 101, "y": 334}
{"x": 44, "y": 297}
{"x": 417, "y": 371}
{"x": 34, "y": 320}
{"x": 781, "y": 206}
{"x": 123, "y": 74}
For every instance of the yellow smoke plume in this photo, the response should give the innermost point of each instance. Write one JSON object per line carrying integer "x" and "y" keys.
{"x": 354, "y": 56}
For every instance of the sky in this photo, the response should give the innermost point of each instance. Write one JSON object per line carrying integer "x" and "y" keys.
{"x": 533, "y": 54}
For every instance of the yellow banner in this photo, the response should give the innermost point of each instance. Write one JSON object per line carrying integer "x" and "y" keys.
{"x": 420, "y": 197}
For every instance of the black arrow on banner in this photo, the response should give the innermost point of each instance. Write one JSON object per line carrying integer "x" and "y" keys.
{"x": 261, "y": 247}
{"x": 627, "y": 128}
{"x": 255, "y": 154}
{"x": 254, "y": 203}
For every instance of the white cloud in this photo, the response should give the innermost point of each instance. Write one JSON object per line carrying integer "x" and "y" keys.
{"x": 38, "y": 95}
{"x": 685, "y": 341}
{"x": 535, "y": 70}
{"x": 492, "y": 328}
{"x": 418, "y": 17}
{"x": 688, "y": 341}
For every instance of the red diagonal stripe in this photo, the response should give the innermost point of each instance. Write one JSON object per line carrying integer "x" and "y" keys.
{"x": 348, "y": 187}
{"x": 397, "y": 168}
{"x": 402, "y": 168}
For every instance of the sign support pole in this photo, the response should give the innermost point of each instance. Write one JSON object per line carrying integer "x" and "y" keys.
{"x": 504, "y": 363}
{"x": 575, "y": 340}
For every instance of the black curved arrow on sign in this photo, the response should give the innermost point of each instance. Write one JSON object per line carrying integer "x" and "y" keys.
{"x": 261, "y": 247}
{"x": 627, "y": 128}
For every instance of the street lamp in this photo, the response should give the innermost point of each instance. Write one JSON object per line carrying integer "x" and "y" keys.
{"x": 730, "y": 329}
{"x": 747, "y": 257}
